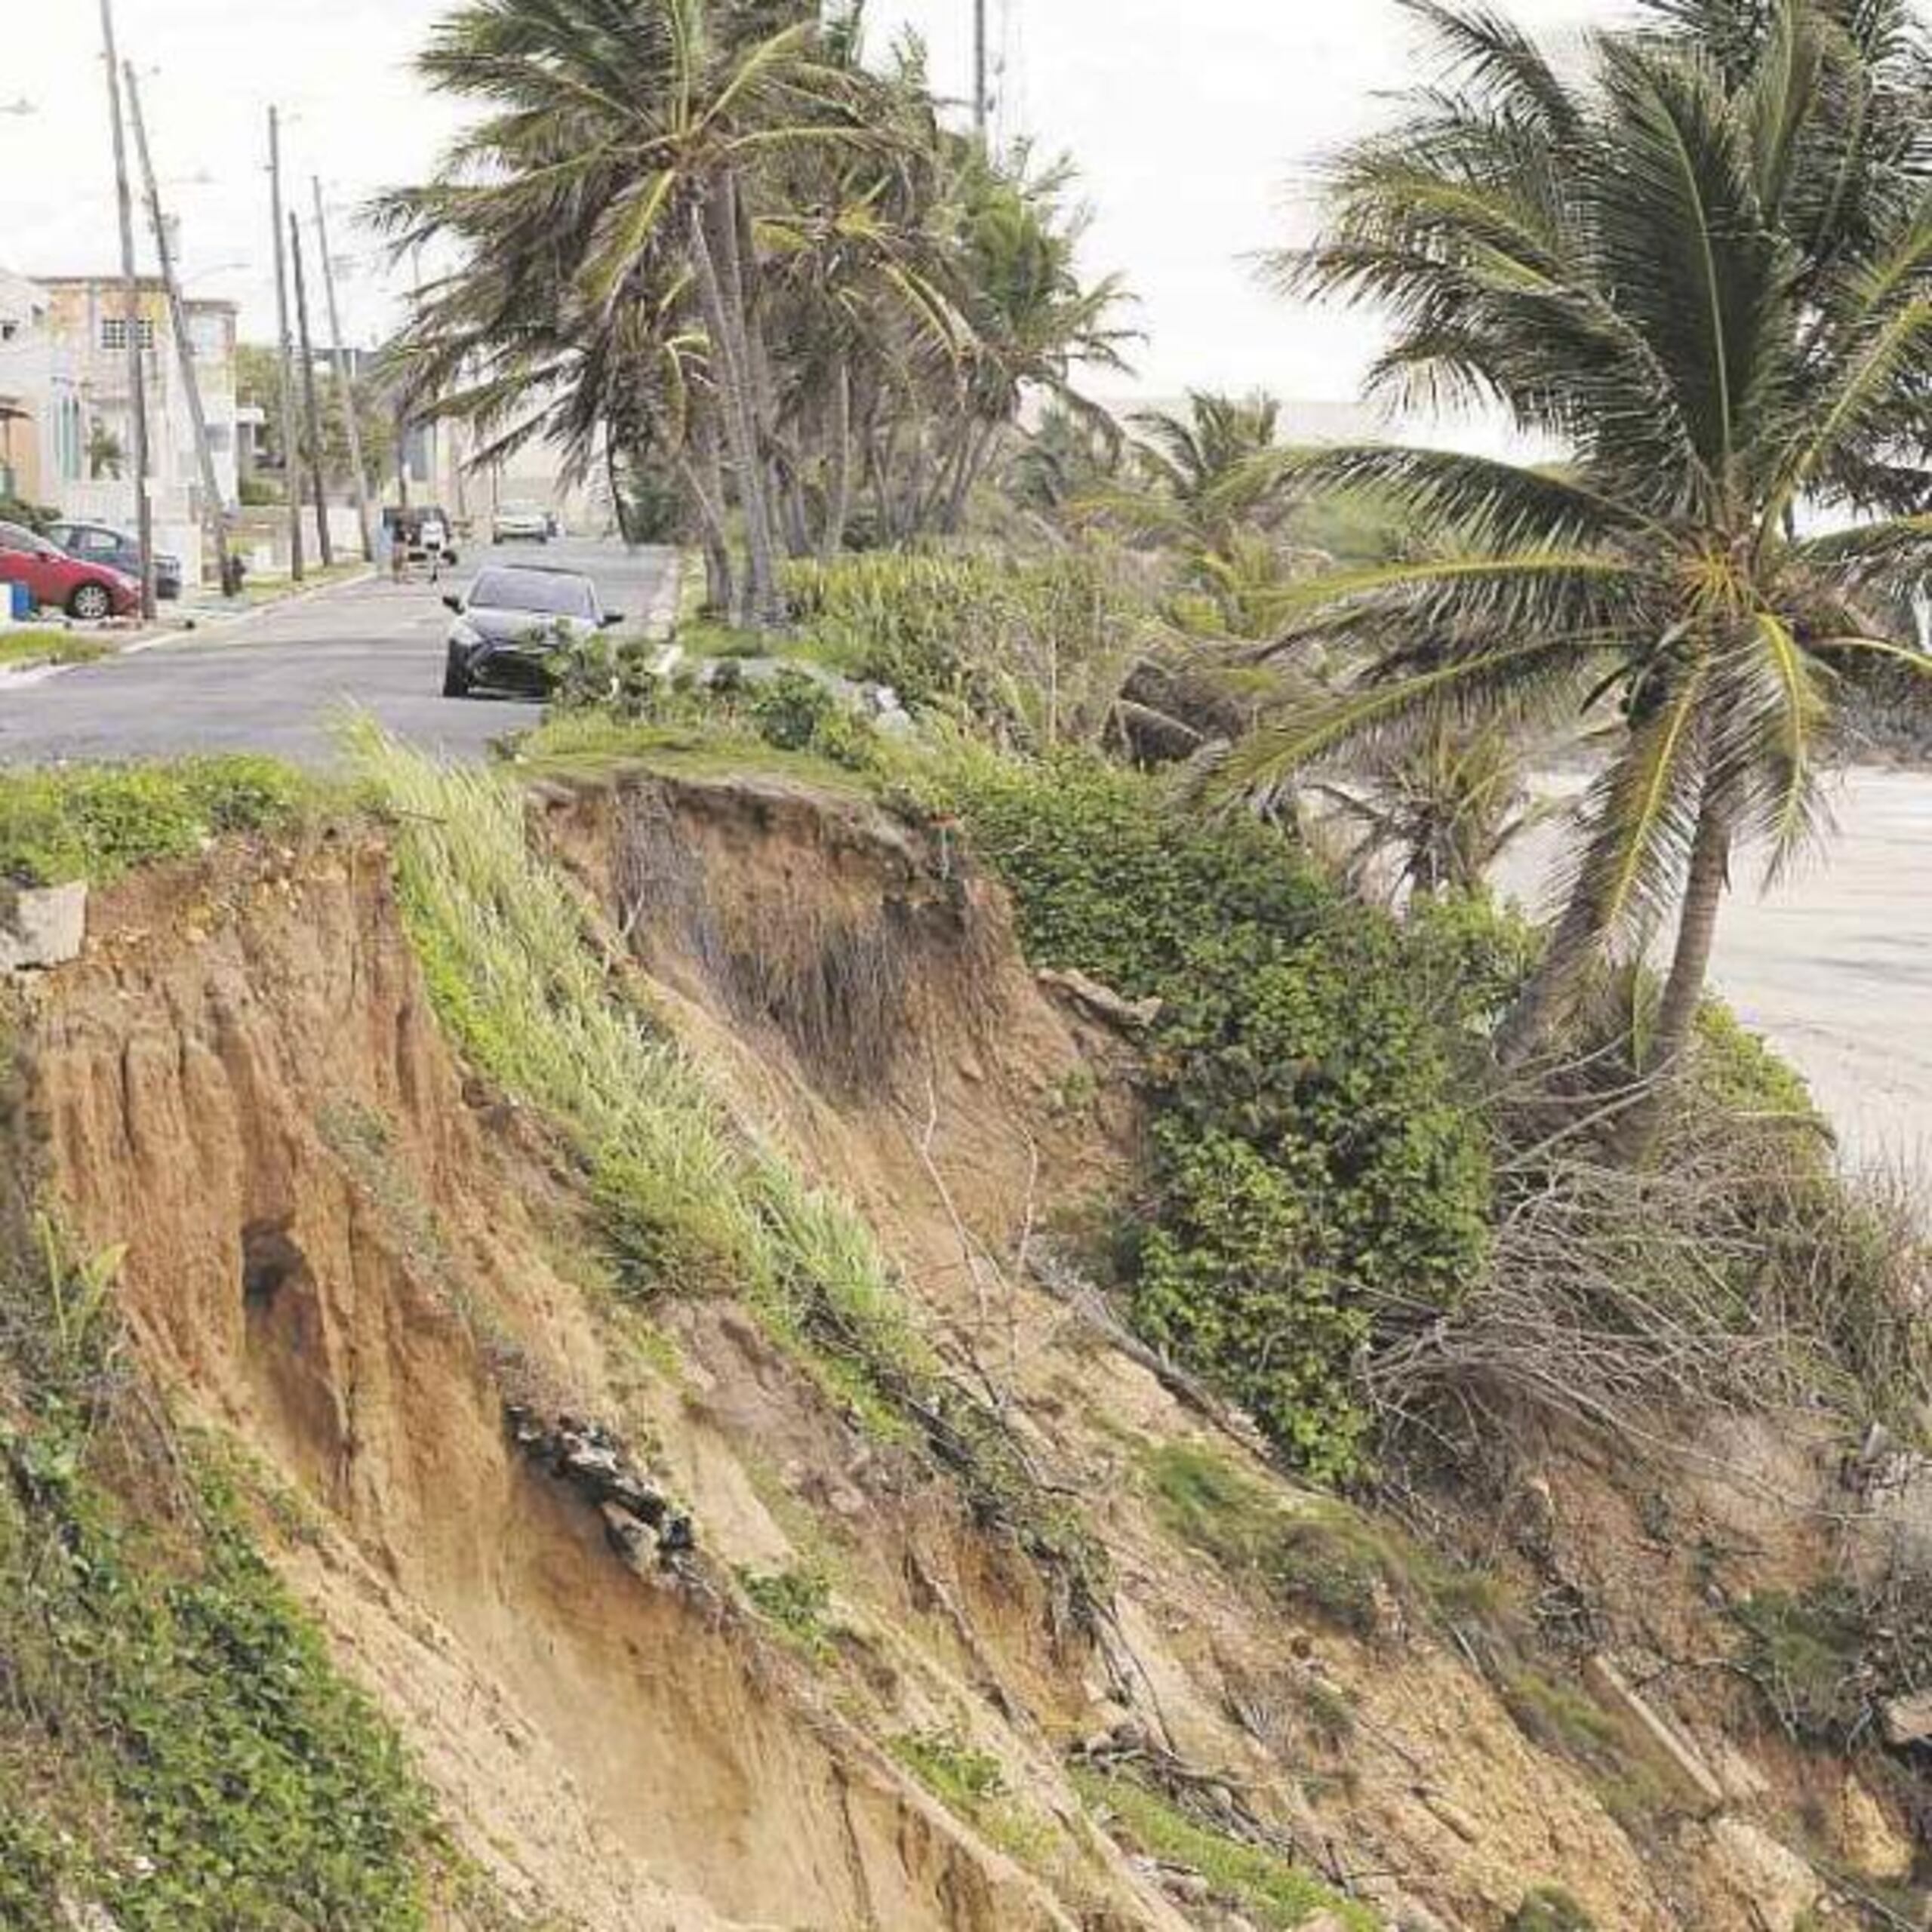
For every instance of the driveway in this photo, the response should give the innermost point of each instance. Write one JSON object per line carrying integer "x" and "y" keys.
{"x": 274, "y": 683}
{"x": 1835, "y": 966}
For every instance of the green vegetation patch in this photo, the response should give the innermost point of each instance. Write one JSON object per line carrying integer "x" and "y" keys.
{"x": 51, "y": 646}
{"x": 798, "y": 1602}
{"x": 1825, "y": 1658}
{"x": 1034, "y": 650}
{"x": 174, "y": 1744}
{"x": 1314, "y": 1555}
{"x": 1316, "y": 1150}
{"x": 1273, "y": 1890}
{"x": 99, "y": 822}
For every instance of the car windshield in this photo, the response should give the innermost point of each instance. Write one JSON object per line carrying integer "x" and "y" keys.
{"x": 13, "y": 537}
{"x": 534, "y": 590}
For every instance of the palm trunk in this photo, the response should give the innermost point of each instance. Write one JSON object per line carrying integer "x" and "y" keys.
{"x": 838, "y": 499}
{"x": 704, "y": 486}
{"x": 725, "y": 326}
{"x": 1704, "y": 889}
{"x": 974, "y": 456}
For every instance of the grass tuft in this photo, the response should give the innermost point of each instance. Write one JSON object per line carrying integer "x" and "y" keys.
{"x": 100, "y": 822}
{"x": 1276, "y": 1894}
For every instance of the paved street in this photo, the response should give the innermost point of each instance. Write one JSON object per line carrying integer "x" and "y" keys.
{"x": 274, "y": 682}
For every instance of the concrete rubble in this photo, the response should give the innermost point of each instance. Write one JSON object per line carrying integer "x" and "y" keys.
{"x": 41, "y": 927}
{"x": 640, "y": 1522}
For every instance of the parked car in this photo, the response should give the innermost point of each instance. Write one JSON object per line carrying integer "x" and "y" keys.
{"x": 510, "y": 628}
{"x": 515, "y": 523}
{"x": 101, "y": 543}
{"x": 56, "y": 581}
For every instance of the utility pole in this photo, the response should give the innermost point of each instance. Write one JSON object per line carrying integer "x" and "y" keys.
{"x": 291, "y": 460}
{"x": 215, "y": 510}
{"x": 315, "y": 467}
{"x": 345, "y": 387}
{"x": 982, "y": 94}
{"x": 137, "y": 382}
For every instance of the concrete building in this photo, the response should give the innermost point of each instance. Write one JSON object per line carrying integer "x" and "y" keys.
{"x": 86, "y": 326}
{"x": 42, "y": 427}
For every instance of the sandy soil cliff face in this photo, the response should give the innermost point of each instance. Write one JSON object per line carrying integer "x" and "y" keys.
{"x": 345, "y": 1254}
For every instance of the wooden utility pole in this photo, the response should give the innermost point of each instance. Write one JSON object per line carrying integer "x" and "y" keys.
{"x": 982, "y": 94}
{"x": 137, "y": 383}
{"x": 214, "y": 510}
{"x": 317, "y": 469}
{"x": 345, "y": 386}
{"x": 291, "y": 457}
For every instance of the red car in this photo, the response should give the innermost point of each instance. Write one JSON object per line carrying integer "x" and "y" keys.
{"x": 57, "y": 581}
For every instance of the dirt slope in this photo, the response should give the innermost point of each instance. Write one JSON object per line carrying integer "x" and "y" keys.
{"x": 350, "y": 1256}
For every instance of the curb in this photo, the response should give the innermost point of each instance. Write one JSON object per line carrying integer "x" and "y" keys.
{"x": 223, "y": 620}
{"x": 219, "y": 621}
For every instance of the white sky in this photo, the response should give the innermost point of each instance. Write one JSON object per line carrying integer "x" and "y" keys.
{"x": 1194, "y": 128}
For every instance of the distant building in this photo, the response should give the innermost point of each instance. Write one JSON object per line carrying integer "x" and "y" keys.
{"x": 42, "y": 418}
{"x": 91, "y": 473}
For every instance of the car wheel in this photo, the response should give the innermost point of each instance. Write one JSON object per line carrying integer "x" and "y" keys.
{"x": 455, "y": 674}
{"x": 89, "y": 603}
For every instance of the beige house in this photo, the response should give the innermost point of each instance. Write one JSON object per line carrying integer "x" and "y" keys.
{"x": 86, "y": 438}
{"x": 41, "y": 431}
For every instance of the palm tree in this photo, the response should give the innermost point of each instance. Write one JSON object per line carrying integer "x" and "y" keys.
{"x": 1205, "y": 483}
{"x": 1628, "y": 262}
{"x": 616, "y": 167}
{"x": 1448, "y": 805}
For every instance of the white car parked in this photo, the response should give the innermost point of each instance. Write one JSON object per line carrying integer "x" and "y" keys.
{"x": 520, "y": 523}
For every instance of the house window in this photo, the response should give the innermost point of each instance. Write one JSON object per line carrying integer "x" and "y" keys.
{"x": 70, "y": 439}
{"x": 114, "y": 332}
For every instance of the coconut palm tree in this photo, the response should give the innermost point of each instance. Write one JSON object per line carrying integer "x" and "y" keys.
{"x": 617, "y": 163}
{"x": 1628, "y": 262}
{"x": 1204, "y": 484}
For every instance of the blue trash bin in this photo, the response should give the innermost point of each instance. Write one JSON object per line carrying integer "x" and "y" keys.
{"x": 19, "y": 603}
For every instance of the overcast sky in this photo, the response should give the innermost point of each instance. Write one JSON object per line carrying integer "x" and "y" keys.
{"x": 1194, "y": 127}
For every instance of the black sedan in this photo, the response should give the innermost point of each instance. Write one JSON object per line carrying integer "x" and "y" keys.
{"x": 510, "y": 628}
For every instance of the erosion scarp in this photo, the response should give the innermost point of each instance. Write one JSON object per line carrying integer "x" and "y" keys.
{"x": 855, "y": 1691}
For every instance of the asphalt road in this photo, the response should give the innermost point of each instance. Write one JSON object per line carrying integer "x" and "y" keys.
{"x": 276, "y": 682}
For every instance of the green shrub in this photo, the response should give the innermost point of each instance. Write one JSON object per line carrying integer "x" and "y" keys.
{"x": 963, "y": 1778}
{"x": 1817, "y": 1659}
{"x": 99, "y": 822}
{"x": 1314, "y": 1152}
{"x": 799, "y": 1602}
{"x": 791, "y": 708}
{"x": 1035, "y": 651}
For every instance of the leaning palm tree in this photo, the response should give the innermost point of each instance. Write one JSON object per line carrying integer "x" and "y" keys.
{"x": 1627, "y": 261}
{"x": 620, "y": 156}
